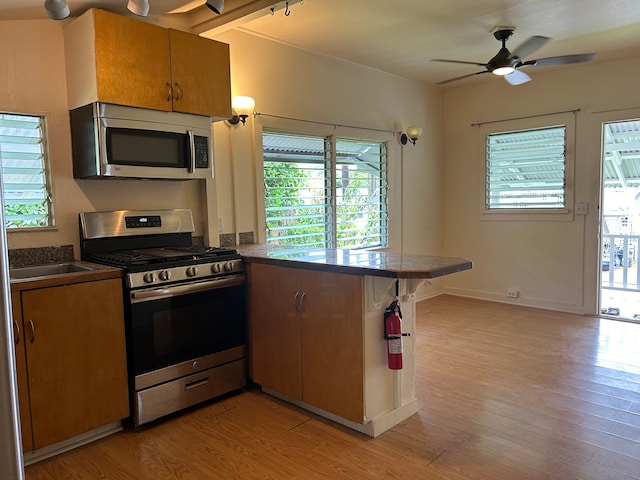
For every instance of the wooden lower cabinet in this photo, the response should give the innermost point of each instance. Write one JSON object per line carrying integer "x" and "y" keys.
{"x": 75, "y": 360}
{"x": 21, "y": 373}
{"x": 306, "y": 330}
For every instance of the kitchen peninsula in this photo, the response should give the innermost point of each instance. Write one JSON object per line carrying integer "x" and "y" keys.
{"x": 316, "y": 329}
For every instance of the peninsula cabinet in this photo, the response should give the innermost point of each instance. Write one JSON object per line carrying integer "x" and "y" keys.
{"x": 306, "y": 336}
{"x": 115, "y": 59}
{"x": 72, "y": 337}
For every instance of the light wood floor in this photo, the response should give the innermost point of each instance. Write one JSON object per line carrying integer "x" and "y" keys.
{"x": 504, "y": 393}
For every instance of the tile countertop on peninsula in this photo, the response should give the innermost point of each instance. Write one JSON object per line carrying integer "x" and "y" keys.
{"x": 355, "y": 262}
{"x": 312, "y": 312}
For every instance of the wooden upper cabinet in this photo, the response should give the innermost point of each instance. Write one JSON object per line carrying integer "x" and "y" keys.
{"x": 200, "y": 65}
{"x": 116, "y": 59}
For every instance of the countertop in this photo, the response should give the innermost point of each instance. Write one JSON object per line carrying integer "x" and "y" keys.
{"x": 101, "y": 272}
{"x": 356, "y": 262}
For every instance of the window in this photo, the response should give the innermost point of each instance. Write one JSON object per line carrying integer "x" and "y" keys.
{"x": 526, "y": 169}
{"x": 325, "y": 192}
{"x": 25, "y": 185}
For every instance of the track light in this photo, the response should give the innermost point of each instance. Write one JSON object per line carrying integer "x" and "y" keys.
{"x": 413, "y": 133}
{"x": 139, "y": 7}
{"x": 57, "y": 9}
{"x": 215, "y": 5}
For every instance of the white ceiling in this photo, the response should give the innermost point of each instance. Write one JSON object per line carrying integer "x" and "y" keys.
{"x": 402, "y": 37}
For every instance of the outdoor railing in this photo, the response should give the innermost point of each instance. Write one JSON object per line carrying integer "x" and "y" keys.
{"x": 620, "y": 262}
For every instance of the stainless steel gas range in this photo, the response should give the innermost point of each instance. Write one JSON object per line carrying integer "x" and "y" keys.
{"x": 184, "y": 307}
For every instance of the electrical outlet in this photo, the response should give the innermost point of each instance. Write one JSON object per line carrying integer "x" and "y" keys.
{"x": 513, "y": 293}
{"x": 220, "y": 224}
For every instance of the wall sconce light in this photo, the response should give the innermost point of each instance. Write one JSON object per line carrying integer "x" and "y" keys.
{"x": 57, "y": 9}
{"x": 413, "y": 133}
{"x": 242, "y": 108}
{"x": 139, "y": 7}
{"x": 215, "y": 5}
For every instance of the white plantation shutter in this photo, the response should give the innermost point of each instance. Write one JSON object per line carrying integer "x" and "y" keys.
{"x": 24, "y": 176}
{"x": 324, "y": 192}
{"x": 526, "y": 169}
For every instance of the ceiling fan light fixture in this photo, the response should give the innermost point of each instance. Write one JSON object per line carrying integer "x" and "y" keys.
{"x": 215, "y": 5}
{"x": 502, "y": 71}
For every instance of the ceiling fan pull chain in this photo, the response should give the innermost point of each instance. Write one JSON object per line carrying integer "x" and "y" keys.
{"x": 287, "y": 12}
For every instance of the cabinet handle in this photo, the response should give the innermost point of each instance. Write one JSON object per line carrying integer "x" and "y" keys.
{"x": 304, "y": 294}
{"x": 16, "y": 332}
{"x": 169, "y": 92}
{"x": 178, "y": 91}
{"x": 196, "y": 383}
{"x": 33, "y": 331}
{"x": 295, "y": 301}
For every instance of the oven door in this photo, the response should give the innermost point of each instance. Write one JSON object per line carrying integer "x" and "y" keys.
{"x": 182, "y": 323}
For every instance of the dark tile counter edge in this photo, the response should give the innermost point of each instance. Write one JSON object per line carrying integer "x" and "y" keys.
{"x": 327, "y": 267}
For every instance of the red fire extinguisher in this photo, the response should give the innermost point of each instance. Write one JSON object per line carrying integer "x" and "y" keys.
{"x": 393, "y": 335}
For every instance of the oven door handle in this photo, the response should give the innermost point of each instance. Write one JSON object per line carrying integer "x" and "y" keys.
{"x": 185, "y": 289}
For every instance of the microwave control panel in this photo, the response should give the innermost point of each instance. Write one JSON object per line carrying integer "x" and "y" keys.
{"x": 202, "y": 151}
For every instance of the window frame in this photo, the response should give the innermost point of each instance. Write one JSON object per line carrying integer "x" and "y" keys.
{"x": 567, "y": 120}
{"x": 47, "y": 172}
{"x": 324, "y": 131}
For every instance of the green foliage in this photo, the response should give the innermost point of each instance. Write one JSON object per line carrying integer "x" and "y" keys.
{"x": 23, "y": 215}
{"x": 287, "y": 215}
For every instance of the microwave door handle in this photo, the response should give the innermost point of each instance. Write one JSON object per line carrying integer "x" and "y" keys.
{"x": 192, "y": 149}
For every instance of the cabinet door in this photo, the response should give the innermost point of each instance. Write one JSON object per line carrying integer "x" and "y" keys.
{"x": 21, "y": 373}
{"x": 200, "y": 75}
{"x": 332, "y": 343}
{"x": 132, "y": 62}
{"x": 274, "y": 326}
{"x": 75, "y": 358}
{"x": 115, "y": 59}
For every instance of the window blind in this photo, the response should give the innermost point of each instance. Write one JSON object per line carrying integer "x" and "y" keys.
{"x": 24, "y": 176}
{"x": 526, "y": 169}
{"x": 324, "y": 192}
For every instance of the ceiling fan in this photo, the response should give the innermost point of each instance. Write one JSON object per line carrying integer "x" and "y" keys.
{"x": 508, "y": 64}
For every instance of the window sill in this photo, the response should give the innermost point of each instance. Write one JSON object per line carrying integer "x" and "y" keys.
{"x": 529, "y": 215}
{"x": 31, "y": 230}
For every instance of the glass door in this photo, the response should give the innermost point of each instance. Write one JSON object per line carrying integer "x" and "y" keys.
{"x": 620, "y": 220}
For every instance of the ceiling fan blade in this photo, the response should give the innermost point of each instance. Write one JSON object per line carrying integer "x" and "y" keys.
{"x": 529, "y": 46}
{"x": 461, "y": 77}
{"x": 562, "y": 60}
{"x": 459, "y": 61}
{"x": 517, "y": 77}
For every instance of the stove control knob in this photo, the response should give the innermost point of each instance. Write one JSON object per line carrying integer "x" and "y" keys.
{"x": 149, "y": 277}
{"x": 228, "y": 267}
{"x": 216, "y": 268}
{"x": 164, "y": 275}
{"x": 192, "y": 271}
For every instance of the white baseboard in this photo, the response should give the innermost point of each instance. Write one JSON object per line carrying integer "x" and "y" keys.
{"x": 522, "y": 301}
{"x": 372, "y": 428}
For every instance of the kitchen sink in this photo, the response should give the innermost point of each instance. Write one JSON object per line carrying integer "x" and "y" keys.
{"x": 49, "y": 269}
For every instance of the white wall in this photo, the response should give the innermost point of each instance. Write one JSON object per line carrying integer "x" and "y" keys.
{"x": 554, "y": 264}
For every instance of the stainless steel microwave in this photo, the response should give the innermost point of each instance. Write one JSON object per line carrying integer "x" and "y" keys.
{"x": 118, "y": 141}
